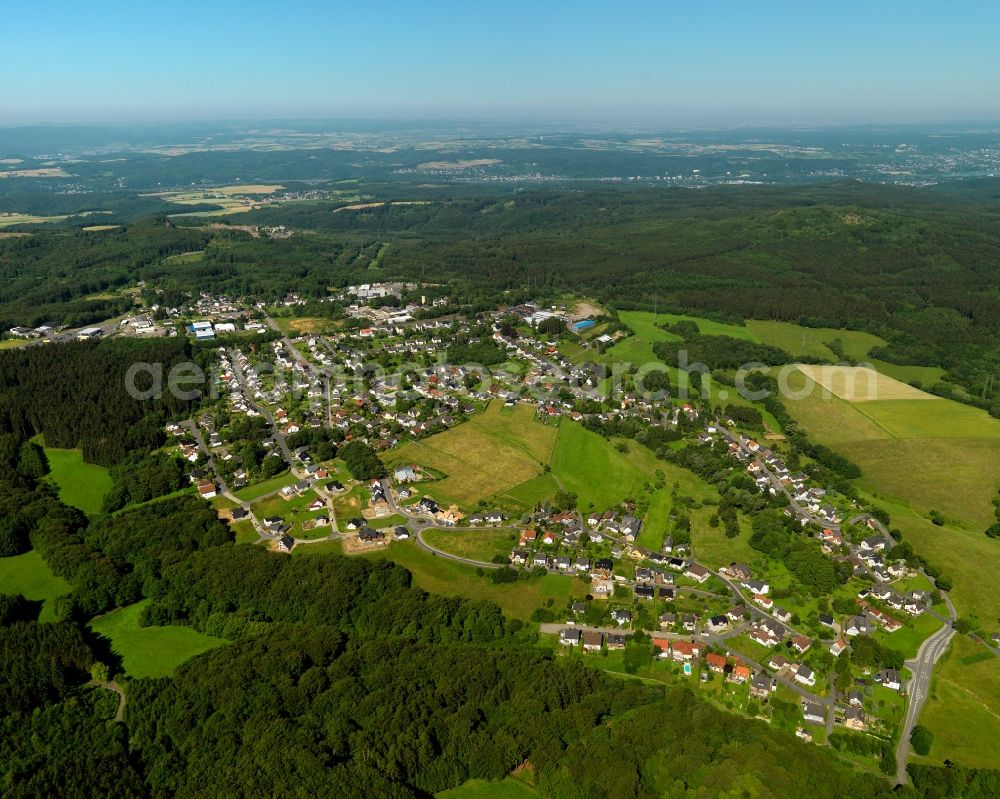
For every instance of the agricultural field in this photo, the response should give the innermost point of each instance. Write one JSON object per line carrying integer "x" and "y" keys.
{"x": 961, "y": 710}
{"x": 11, "y": 219}
{"x": 860, "y": 384}
{"x": 638, "y": 348}
{"x": 488, "y": 455}
{"x": 933, "y": 454}
{"x": 232, "y": 199}
{"x": 31, "y": 577}
{"x": 150, "y": 651}
{"x": 82, "y": 485}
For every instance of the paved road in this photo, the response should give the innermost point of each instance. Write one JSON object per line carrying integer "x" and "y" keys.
{"x": 199, "y": 439}
{"x": 922, "y": 668}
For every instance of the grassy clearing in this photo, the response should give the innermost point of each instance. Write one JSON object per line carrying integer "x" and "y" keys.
{"x": 150, "y": 651}
{"x": 474, "y": 544}
{"x": 31, "y": 577}
{"x": 450, "y": 578}
{"x": 813, "y": 341}
{"x": 508, "y": 788}
{"x": 938, "y": 418}
{"x": 82, "y": 485}
{"x": 707, "y": 327}
{"x": 488, "y": 455}
{"x": 962, "y": 709}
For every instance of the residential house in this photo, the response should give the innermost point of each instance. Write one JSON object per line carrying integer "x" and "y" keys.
{"x": 592, "y": 641}
{"x": 570, "y": 636}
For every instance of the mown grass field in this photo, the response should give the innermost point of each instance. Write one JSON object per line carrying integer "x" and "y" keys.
{"x": 150, "y": 651}
{"x": 488, "y": 455}
{"x": 812, "y": 341}
{"x": 82, "y": 485}
{"x": 31, "y": 577}
{"x": 962, "y": 711}
{"x": 450, "y": 578}
{"x": 931, "y": 454}
{"x": 475, "y": 544}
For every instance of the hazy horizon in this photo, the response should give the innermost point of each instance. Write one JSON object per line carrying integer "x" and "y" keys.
{"x": 779, "y": 64}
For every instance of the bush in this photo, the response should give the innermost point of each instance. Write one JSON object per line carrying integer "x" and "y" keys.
{"x": 921, "y": 738}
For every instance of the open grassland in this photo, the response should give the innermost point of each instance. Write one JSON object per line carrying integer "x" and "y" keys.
{"x": 82, "y": 485}
{"x": 937, "y": 418}
{"x": 958, "y": 477}
{"x": 31, "y": 577}
{"x": 927, "y": 375}
{"x": 932, "y": 454}
{"x": 638, "y": 348}
{"x": 488, "y": 455}
{"x": 812, "y": 341}
{"x": 150, "y": 651}
{"x": 860, "y": 384}
{"x": 475, "y": 544}
{"x": 708, "y": 327}
{"x": 917, "y": 456}
{"x": 587, "y": 465}
{"x": 300, "y": 325}
{"x": 508, "y": 788}
{"x": 962, "y": 711}
{"x": 450, "y": 578}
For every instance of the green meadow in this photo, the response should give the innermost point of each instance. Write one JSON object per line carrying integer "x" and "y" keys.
{"x": 82, "y": 485}
{"x": 31, "y": 577}
{"x": 150, "y": 651}
{"x": 475, "y": 544}
{"x": 486, "y": 456}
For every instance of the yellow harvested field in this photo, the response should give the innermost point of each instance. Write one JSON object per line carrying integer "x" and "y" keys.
{"x": 443, "y": 165}
{"x": 363, "y": 206}
{"x": 100, "y": 227}
{"x": 54, "y": 172}
{"x": 860, "y": 384}
{"x": 250, "y": 188}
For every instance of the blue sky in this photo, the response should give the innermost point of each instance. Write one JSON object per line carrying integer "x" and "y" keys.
{"x": 666, "y": 62}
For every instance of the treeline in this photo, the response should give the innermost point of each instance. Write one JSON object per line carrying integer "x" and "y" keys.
{"x": 77, "y": 395}
{"x": 116, "y": 560}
